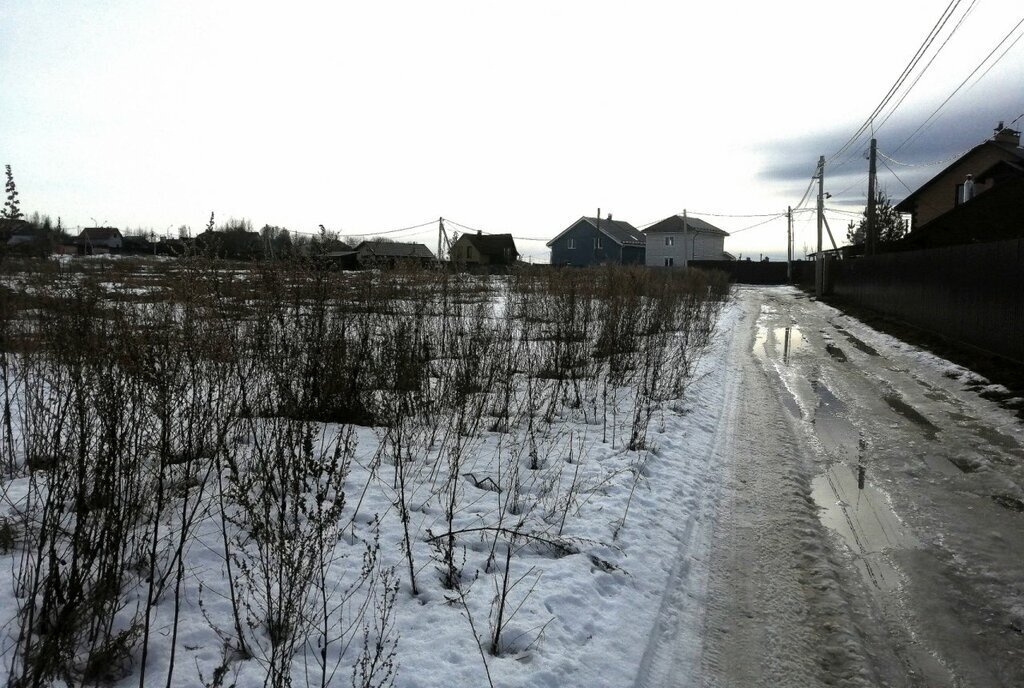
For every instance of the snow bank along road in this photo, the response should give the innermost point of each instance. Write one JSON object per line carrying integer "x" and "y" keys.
{"x": 862, "y": 523}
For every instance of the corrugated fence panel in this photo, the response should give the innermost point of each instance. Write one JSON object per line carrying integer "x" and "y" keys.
{"x": 973, "y": 294}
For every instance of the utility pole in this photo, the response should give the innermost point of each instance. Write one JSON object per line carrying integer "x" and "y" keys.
{"x": 789, "y": 244}
{"x": 871, "y": 236}
{"x": 819, "y": 259}
{"x": 686, "y": 230}
{"x": 440, "y": 232}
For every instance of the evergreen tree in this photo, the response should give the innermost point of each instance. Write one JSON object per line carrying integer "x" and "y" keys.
{"x": 891, "y": 226}
{"x": 12, "y": 208}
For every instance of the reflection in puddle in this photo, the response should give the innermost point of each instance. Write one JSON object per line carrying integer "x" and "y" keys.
{"x": 861, "y": 515}
{"x": 766, "y": 349}
{"x": 792, "y": 339}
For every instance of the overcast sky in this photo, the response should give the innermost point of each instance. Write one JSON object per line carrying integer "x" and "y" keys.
{"x": 507, "y": 117}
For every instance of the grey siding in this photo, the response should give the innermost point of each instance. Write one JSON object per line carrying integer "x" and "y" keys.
{"x": 698, "y": 246}
{"x": 586, "y": 253}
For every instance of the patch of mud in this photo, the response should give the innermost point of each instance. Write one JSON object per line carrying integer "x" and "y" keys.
{"x": 904, "y": 409}
{"x": 967, "y": 464}
{"x": 1008, "y": 502}
{"x": 836, "y": 353}
{"x": 986, "y": 433}
{"x": 858, "y": 343}
{"x": 942, "y": 465}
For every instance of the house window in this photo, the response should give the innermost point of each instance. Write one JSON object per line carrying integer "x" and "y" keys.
{"x": 669, "y": 262}
{"x": 570, "y": 243}
{"x": 597, "y": 243}
{"x": 670, "y": 241}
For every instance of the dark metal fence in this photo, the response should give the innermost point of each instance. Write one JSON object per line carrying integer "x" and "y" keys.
{"x": 751, "y": 272}
{"x": 972, "y": 294}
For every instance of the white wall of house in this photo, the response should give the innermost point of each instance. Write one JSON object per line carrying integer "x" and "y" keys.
{"x": 664, "y": 247}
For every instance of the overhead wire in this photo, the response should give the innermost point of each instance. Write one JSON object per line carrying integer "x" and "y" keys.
{"x": 931, "y": 118}
{"x": 928, "y": 40}
{"x": 389, "y": 231}
{"x": 920, "y": 74}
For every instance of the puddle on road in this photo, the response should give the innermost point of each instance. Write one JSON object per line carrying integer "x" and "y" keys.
{"x": 858, "y": 511}
{"x": 860, "y": 514}
{"x": 904, "y": 409}
{"x": 767, "y": 343}
{"x": 837, "y": 434}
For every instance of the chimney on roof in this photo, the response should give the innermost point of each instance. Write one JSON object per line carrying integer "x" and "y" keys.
{"x": 1006, "y": 135}
{"x": 479, "y": 232}
{"x": 609, "y": 217}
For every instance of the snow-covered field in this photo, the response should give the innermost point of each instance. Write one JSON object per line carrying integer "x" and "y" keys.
{"x": 510, "y": 514}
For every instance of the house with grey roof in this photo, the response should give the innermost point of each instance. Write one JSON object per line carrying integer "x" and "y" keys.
{"x": 484, "y": 249}
{"x": 376, "y": 253}
{"x": 676, "y": 239}
{"x": 596, "y": 240}
{"x": 99, "y": 239}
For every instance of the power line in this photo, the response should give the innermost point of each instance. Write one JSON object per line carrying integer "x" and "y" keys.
{"x": 925, "y": 69}
{"x": 925, "y": 164}
{"x": 884, "y": 163}
{"x": 899, "y": 80}
{"x": 974, "y": 71}
{"x": 389, "y": 231}
{"x": 758, "y": 224}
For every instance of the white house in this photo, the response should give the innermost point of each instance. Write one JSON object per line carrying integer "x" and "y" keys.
{"x": 668, "y": 244}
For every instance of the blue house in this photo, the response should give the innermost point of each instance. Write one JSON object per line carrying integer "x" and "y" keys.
{"x": 594, "y": 240}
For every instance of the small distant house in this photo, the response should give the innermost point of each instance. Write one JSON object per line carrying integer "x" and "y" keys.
{"x": 972, "y": 175}
{"x": 233, "y": 244}
{"x": 480, "y": 250}
{"x": 99, "y": 240}
{"x": 17, "y": 232}
{"x": 387, "y": 254}
{"x": 8, "y": 226}
{"x": 594, "y": 240}
{"x": 675, "y": 239}
{"x": 137, "y": 245}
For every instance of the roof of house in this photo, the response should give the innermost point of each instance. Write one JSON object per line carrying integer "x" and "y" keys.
{"x": 491, "y": 244}
{"x": 996, "y": 215}
{"x": 618, "y": 231}
{"x": 394, "y": 249}
{"x": 100, "y": 233}
{"x": 907, "y": 204}
{"x": 674, "y": 224}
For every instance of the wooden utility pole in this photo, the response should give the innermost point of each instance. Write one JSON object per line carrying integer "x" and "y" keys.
{"x": 686, "y": 231}
{"x": 789, "y": 244}
{"x": 440, "y": 233}
{"x": 871, "y": 235}
{"x": 819, "y": 259}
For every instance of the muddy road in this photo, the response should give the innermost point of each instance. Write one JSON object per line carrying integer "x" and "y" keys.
{"x": 869, "y": 526}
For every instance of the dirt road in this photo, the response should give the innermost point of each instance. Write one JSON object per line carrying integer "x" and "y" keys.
{"x": 867, "y": 528}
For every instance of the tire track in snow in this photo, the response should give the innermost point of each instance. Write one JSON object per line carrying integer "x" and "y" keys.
{"x": 674, "y": 644}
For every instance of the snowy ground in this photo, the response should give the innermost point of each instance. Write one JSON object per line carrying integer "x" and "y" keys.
{"x": 827, "y": 506}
